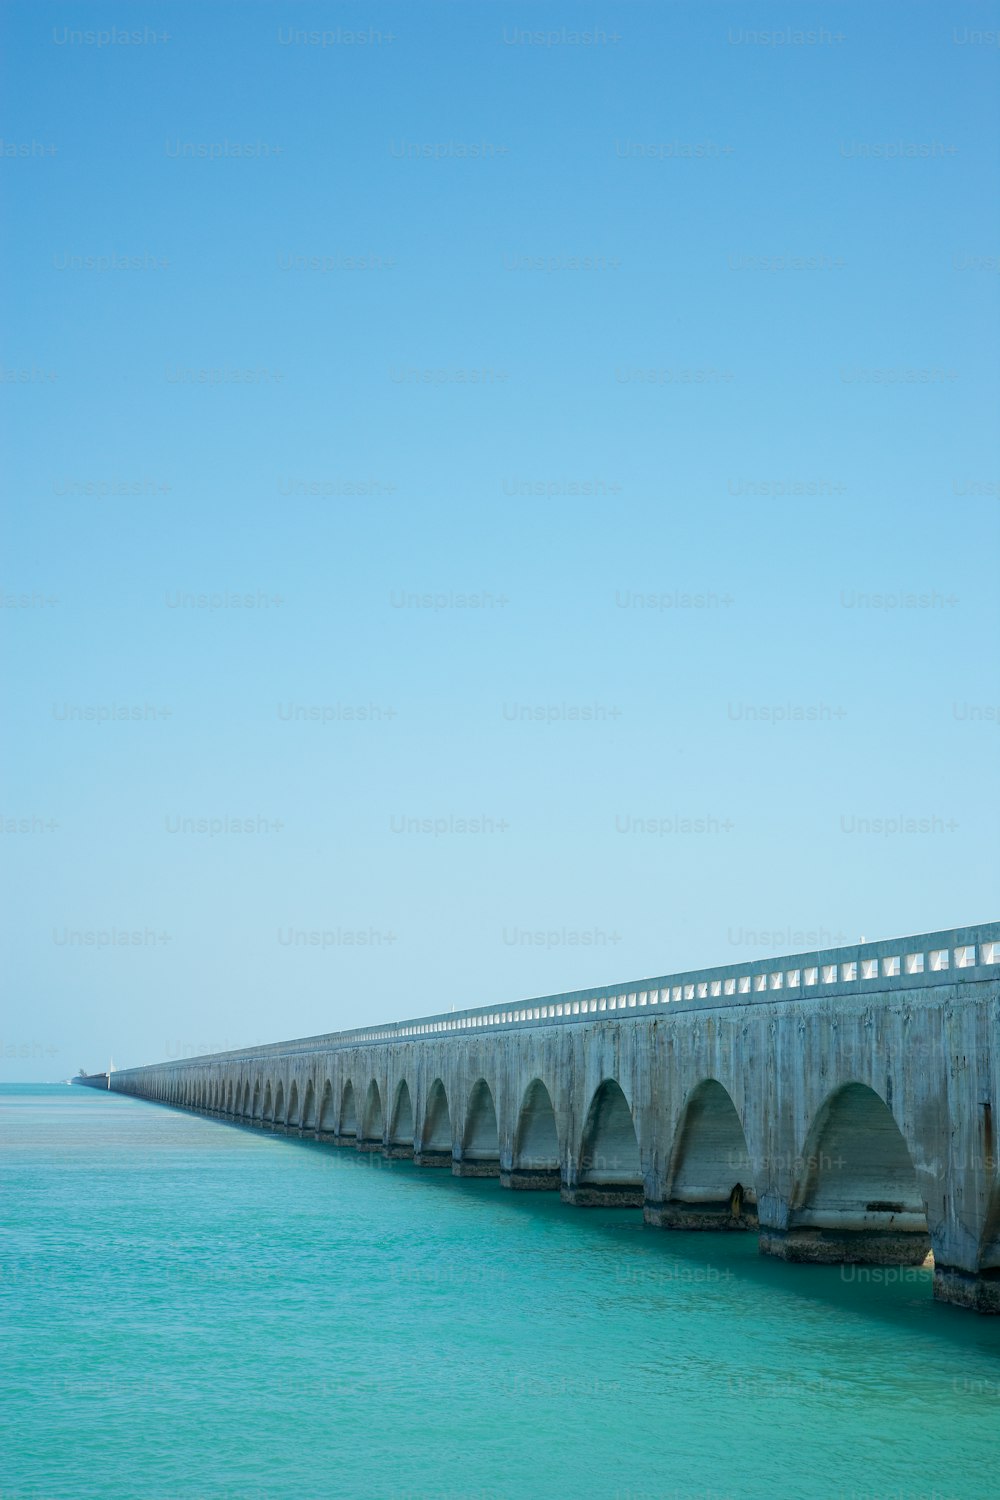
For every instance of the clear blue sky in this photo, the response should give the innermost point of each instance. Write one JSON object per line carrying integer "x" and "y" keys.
{"x": 475, "y": 275}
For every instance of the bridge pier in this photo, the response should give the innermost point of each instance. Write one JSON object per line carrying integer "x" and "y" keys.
{"x": 977, "y": 1290}
{"x": 602, "y": 1195}
{"x": 432, "y": 1158}
{"x": 738, "y": 1212}
{"x": 394, "y": 1151}
{"x": 531, "y": 1179}
{"x": 816, "y": 1245}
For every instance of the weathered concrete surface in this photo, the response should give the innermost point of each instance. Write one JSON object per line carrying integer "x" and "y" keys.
{"x": 529, "y": 1181}
{"x": 853, "y": 1120}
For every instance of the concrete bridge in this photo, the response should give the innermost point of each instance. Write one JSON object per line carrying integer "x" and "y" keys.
{"x": 840, "y": 1104}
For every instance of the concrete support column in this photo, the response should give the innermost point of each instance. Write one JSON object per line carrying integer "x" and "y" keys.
{"x": 977, "y": 1290}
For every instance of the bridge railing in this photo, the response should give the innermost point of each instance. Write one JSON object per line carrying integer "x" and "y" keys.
{"x": 948, "y": 957}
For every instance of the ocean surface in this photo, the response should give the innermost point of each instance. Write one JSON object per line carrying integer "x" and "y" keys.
{"x": 192, "y": 1309}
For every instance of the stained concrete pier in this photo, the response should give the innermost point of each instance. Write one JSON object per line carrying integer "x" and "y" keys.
{"x": 840, "y": 1103}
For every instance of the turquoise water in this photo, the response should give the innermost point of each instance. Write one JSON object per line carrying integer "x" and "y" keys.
{"x": 189, "y": 1309}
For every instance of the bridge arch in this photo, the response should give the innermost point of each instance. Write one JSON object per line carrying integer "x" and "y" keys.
{"x": 348, "y": 1124}
{"x": 402, "y": 1132}
{"x": 309, "y": 1106}
{"x": 856, "y": 1196}
{"x": 609, "y": 1169}
{"x": 710, "y": 1178}
{"x": 229, "y": 1098}
{"x": 372, "y": 1116}
{"x": 279, "y": 1103}
{"x": 436, "y": 1136}
{"x": 481, "y": 1135}
{"x": 327, "y": 1121}
{"x": 536, "y": 1154}
{"x": 245, "y": 1111}
{"x": 267, "y": 1114}
{"x": 292, "y": 1117}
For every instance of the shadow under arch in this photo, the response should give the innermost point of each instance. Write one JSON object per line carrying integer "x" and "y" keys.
{"x": 710, "y": 1181}
{"x": 279, "y": 1103}
{"x": 436, "y": 1136}
{"x": 347, "y": 1127}
{"x": 609, "y": 1170}
{"x": 292, "y": 1118}
{"x": 536, "y": 1155}
{"x": 267, "y": 1114}
{"x": 372, "y": 1120}
{"x": 326, "y": 1124}
{"x": 401, "y": 1126}
{"x": 856, "y": 1198}
{"x": 309, "y": 1106}
{"x": 481, "y": 1136}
